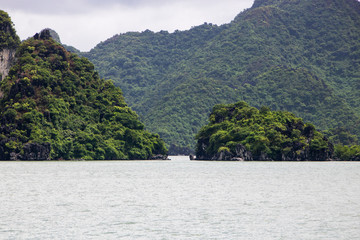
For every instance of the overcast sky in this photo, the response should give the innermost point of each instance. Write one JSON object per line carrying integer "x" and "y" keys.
{"x": 84, "y": 23}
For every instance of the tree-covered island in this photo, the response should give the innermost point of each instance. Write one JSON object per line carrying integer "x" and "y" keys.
{"x": 238, "y": 132}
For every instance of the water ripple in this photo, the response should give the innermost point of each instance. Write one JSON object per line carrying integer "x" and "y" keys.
{"x": 179, "y": 199}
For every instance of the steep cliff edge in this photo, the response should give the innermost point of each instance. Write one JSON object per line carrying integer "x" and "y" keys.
{"x": 9, "y": 41}
{"x": 7, "y": 59}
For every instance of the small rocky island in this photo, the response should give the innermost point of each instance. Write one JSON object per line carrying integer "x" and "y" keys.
{"x": 238, "y": 132}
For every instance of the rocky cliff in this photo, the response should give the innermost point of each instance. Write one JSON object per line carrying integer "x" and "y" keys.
{"x": 7, "y": 58}
{"x": 9, "y": 41}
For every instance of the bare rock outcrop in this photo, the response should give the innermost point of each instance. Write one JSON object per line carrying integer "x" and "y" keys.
{"x": 7, "y": 58}
{"x": 30, "y": 152}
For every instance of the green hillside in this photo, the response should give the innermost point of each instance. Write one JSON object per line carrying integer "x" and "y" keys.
{"x": 55, "y": 106}
{"x": 298, "y": 56}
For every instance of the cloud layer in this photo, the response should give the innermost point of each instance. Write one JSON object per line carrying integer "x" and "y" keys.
{"x": 84, "y": 23}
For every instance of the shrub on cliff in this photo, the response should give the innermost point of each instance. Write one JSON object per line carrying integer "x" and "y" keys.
{"x": 8, "y": 37}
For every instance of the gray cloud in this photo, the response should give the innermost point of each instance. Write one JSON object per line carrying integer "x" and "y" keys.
{"x": 39, "y": 6}
{"x": 82, "y": 6}
{"x": 71, "y": 6}
{"x": 84, "y": 23}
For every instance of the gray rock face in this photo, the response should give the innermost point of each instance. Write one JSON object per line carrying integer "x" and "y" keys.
{"x": 242, "y": 154}
{"x": 223, "y": 156}
{"x": 7, "y": 58}
{"x": 33, "y": 152}
{"x": 159, "y": 157}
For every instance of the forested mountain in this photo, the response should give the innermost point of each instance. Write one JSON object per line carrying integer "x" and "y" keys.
{"x": 301, "y": 56}
{"x": 55, "y": 106}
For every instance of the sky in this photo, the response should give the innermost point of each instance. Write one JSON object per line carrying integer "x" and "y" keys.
{"x": 85, "y": 23}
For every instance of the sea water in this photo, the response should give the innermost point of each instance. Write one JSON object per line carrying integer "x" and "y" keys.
{"x": 180, "y": 199}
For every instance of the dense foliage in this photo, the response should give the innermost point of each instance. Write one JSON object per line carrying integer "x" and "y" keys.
{"x": 267, "y": 135}
{"x": 53, "y": 98}
{"x": 8, "y": 36}
{"x": 299, "y": 56}
{"x": 347, "y": 152}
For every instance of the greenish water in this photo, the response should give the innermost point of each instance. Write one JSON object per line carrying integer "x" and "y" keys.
{"x": 179, "y": 199}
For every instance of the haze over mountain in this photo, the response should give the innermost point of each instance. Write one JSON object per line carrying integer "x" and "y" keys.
{"x": 301, "y": 56}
